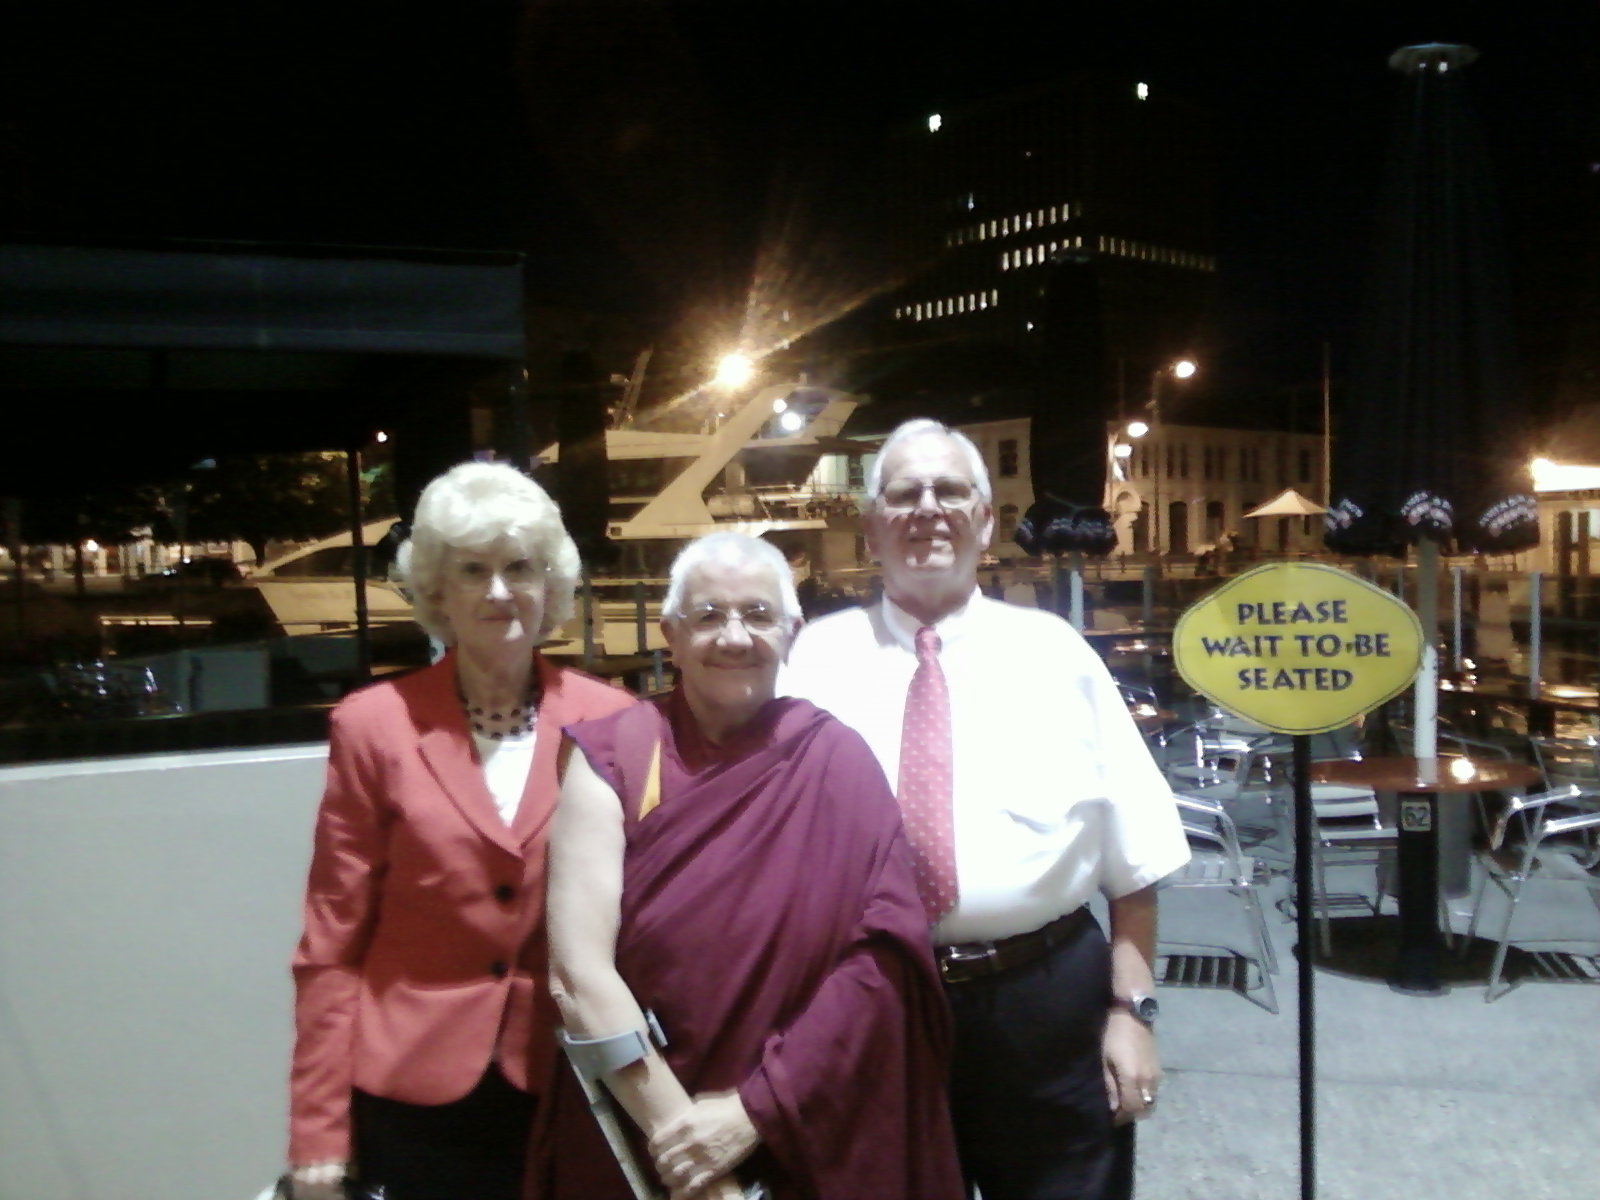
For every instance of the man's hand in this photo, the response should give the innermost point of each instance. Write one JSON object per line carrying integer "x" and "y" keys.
{"x": 1132, "y": 1066}
{"x": 704, "y": 1144}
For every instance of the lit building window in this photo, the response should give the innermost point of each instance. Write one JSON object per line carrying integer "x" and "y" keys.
{"x": 1027, "y": 221}
{"x": 972, "y": 201}
{"x": 935, "y": 122}
{"x": 1053, "y": 217}
{"x": 1141, "y": 91}
{"x": 994, "y": 296}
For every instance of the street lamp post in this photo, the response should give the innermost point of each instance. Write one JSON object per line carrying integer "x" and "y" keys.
{"x": 1160, "y": 528}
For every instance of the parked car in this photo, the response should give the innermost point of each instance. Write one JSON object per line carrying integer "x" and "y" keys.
{"x": 213, "y": 571}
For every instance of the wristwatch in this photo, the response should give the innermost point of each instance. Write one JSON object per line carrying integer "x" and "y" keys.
{"x": 1141, "y": 1004}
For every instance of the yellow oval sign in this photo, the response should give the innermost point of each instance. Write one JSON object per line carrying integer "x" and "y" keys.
{"x": 1298, "y": 647}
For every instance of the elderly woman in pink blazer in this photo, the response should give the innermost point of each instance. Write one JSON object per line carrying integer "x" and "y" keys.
{"x": 424, "y": 1029}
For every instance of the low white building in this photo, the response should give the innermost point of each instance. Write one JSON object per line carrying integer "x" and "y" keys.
{"x": 1177, "y": 490}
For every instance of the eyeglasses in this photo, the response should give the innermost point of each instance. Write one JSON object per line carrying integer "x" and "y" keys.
{"x": 949, "y": 492}
{"x": 708, "y": 619}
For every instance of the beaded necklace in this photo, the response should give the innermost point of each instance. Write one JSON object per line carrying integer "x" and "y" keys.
{"x": 499, "y": 724}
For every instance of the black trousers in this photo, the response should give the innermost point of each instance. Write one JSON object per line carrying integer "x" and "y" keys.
{"x": 474, "y": 1148}
{"x": 1027, "y": 1089}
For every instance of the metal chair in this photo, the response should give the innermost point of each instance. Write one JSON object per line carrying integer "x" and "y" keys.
{"x": 1218, "y": 863}
{"x": 1565, "y": 762}
{"x": 1346, "y": 824}
{"x": 1540, "y": 857}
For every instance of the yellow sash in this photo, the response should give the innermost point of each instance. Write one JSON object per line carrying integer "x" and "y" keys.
{"x": 652, "y": 784}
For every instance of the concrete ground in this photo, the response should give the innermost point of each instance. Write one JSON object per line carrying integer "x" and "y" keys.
{"x": 1416, "y": 1097}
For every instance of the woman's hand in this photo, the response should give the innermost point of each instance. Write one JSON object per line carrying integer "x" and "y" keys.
{"x": 703, "y": 1144}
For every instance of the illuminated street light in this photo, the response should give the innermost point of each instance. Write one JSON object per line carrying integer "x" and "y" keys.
{"x": 1160, "y": 532}
{"x": 734, "y": 370}
{"x": 382, "y": 437}
{"x": 1136, "y": 429}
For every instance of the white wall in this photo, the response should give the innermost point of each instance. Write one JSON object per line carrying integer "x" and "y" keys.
{"x": 148, "y": 908}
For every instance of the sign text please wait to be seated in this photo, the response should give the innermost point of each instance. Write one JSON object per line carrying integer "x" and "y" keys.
{"x": 1298, "y": 647}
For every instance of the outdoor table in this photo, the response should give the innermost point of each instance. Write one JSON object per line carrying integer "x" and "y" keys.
{"x": 1150, "y": 719}
{"x": 1419, "y": 784}
{"x": 1540, "y": 710}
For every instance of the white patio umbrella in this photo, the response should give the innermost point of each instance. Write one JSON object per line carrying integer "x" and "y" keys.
{"x": 1287, "y": 503}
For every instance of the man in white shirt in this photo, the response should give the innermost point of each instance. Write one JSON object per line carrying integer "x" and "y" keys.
{"x": 1026, "y": 788}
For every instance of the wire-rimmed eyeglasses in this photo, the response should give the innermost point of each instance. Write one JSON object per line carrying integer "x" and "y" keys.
{"x": 708, "y": 619}
{"x": 949, "y": 492}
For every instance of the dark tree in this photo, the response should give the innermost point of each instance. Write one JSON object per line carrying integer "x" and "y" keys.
{"x": 259, "y": 498}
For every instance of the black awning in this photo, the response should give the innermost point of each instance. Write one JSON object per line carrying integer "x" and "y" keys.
{"x": 121, "y": 363}
{"x": 259, "y": 298}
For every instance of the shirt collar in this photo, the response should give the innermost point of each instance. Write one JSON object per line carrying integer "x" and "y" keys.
{"x": 903, "y": 626}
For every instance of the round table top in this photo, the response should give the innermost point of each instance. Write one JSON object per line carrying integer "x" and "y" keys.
{"x": 1148, "y": 718}
{"x": 1406, "y": 774}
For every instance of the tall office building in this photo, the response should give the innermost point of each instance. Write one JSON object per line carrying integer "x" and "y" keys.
{"x": 1109, "y": 172}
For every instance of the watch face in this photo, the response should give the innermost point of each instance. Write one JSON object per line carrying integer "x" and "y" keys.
{"x": 1146, "y": 1008}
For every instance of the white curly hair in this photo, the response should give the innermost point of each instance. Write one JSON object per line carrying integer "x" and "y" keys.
{"x": 470, "y": 507}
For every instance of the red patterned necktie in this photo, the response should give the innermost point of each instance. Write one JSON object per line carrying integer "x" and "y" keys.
{"x": 927, "y": 779}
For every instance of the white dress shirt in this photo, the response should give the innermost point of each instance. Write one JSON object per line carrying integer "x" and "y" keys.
{"x": 1056, "y": 796}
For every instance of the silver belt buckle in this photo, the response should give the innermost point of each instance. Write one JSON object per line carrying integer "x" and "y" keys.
{"x": 965, "y": 954}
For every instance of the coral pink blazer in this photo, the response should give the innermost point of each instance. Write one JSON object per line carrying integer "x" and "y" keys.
{"x": 423, "y": 956}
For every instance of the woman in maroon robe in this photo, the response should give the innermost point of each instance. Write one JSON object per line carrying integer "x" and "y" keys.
{"x": 734, "y": 864}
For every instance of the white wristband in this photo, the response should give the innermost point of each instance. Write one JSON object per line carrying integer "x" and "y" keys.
{"x": 310, "y": 1174}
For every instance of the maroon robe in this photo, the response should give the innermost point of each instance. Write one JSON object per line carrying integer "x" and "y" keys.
{"x": 770, "y": 920}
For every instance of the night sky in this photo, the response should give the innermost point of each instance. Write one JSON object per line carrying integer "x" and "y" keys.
{"x": 639, "y": 151}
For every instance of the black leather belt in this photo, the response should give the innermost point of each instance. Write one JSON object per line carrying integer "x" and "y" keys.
{"x": 975, "y": 960}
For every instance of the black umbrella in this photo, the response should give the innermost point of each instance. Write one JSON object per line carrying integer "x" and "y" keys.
{"x": 1072, "y": 403}
{"x": 1428, "y": 448}
{"x": 1429, "y": 453}
{"x": 1067, "y": 449}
